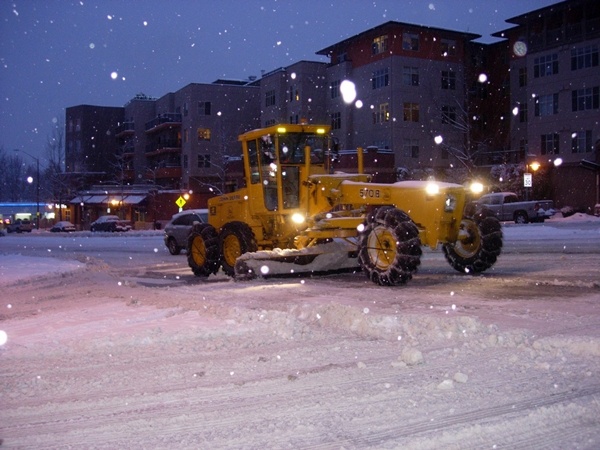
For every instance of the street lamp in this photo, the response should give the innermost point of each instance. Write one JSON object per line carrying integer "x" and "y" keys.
{"x": 37, "y": 187}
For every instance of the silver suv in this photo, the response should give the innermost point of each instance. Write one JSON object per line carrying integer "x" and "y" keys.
{"x": 179, "y": 227}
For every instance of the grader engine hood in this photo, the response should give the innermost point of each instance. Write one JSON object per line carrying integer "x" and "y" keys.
{"x": 435, "y": 207}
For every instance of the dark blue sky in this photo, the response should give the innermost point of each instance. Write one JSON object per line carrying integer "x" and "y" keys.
{"x": 55, "y": 54}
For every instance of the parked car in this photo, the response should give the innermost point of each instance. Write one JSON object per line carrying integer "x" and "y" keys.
{"x": 20, "y": 226}
{"x": 179, "y": 227}
{"x": 507, "y": 206}
{"x": 63, "y": 226}
{"x": 110, "y": 223}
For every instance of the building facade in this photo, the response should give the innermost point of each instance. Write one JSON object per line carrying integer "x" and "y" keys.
{"x": 436, "y": 100}
{"x": 555, "y": 97}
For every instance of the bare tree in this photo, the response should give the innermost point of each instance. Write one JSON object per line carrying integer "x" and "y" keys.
{"x": 13, "y": 178}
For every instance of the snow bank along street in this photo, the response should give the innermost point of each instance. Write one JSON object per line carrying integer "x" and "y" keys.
{"x": 145, "y": 355}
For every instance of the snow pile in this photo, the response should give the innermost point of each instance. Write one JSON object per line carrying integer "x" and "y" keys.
{"x": 16, "y": 267}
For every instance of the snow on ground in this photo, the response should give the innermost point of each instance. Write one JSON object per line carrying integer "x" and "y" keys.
{"x": 103, "y": 358}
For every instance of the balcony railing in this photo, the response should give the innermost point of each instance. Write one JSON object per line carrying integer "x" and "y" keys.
{"x": 125, "y": 129}
{"x": 170, "y": 145}
{"x": 163, "y": 120}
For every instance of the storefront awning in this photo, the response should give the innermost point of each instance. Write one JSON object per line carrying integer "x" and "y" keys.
{"x": 79, "y": 199}
{"x": 97, "y": 200}
{"x": 134, "y": 199}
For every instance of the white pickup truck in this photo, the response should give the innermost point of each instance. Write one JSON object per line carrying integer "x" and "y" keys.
{"x": 507, "y": 206}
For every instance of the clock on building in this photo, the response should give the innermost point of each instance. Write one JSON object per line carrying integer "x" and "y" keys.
{"x": 520, "y": 48}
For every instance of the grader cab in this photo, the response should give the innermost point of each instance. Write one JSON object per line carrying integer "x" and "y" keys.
{"x": 297, "y": 215}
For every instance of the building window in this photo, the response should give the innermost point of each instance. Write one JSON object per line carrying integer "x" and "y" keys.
{"x": 410, "y": 76}
{"x": 523, "y": 148}
{"x": 294, "y": 119}
{"x": 546, "y": 105}
{"x": 410, "y": 148}
{"x": 335, "y": 88}
{"x": 203, "y": 134}
{"x": 582, "y": 142}
{"x": 186, "y": 135}
{"x": 382, "y": 114}
{"x": 449, "y": 114}
{"x": 448, "y": 79}
{"x": 77, "y": 124}
{"x": 380, "y": 78}
{"x": 410, "y": 41}
{"x": 549, "y": 144}
{"x": 203, "y": 161}
{"x": 336, "y": 121}
{"x": 448, "y": 47}
{"x": 584, "y": 57}
{"x": 185, "y": 161}
{"x": 270, "y": 98}
{"x": 380, "y": 45}
{"x": 523, "y": 113}
{"x": 341, "y": 57}
{"x": 185, "y": 109}
{"x": 411, "y": 112}
{"x": 294, "y": 94}
{"x": 544, "y": 66}
{"x": 523, "y": 77}
{"x": 585, "y": 99}
{"x": 204, "y": 108}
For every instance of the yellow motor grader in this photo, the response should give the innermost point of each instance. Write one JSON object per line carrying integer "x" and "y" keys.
{"x": 297, "y": 215}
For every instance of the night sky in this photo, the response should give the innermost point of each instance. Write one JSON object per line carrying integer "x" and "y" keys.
{"x": 56, "y": 54}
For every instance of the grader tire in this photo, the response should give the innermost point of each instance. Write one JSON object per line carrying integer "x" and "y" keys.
{"x": 236, "y": 238}
{"x": 203, "y": 254}
{"x": 389, "y": 249}
{"x": 480, "y": 251}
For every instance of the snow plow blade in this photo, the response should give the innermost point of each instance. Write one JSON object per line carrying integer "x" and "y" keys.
{"x": 332, "y": 257}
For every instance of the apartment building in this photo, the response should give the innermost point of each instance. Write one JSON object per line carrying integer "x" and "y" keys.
{"x": 411, "y": 88}
{"x": 90, "y": 145}
{"x": 555, "y": 97}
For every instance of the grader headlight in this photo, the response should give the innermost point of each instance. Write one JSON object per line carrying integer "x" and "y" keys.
{"x": 298, "y": 218}
{"x": 476, "y": 187}
{"x": 432, "y": 188}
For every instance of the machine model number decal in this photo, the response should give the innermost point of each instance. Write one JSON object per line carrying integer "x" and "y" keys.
{"x": 369, "y": 193}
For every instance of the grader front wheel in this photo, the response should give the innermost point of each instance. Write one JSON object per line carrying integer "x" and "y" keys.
{"x": 478, "y": 246}
{"x": 203, "y": 254}
{"x": 389, "y": 248}
{"x": 236, "y": 239}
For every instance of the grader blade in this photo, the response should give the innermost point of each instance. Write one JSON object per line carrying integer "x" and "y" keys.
{"x": 332, "y": 257}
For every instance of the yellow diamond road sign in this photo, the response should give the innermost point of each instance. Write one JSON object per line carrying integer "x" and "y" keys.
{"x": 180, "y": 202}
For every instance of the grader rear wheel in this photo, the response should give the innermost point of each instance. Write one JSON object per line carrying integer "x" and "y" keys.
{"x": 389, "y": 248}
{"x": 203, "y": 254}
{"x": 481, "y": 245}
{"x": 236, "y": 239}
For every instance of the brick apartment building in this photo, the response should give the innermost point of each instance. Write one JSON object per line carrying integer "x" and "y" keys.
{"x": 439, "y": 102}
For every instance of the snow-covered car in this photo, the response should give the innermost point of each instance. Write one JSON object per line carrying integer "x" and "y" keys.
{"x": 110, "y": 223}
{"x": 20, "y": 226}
{"x": 179, "y": 227}
{"x": 63, "y": 226}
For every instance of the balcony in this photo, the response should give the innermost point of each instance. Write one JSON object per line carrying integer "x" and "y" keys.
{"x": 168, "y": 171}
{"x": 163, "y": 121}
{"x": 166, "y": 146}
{"x": 125, "y": 129}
